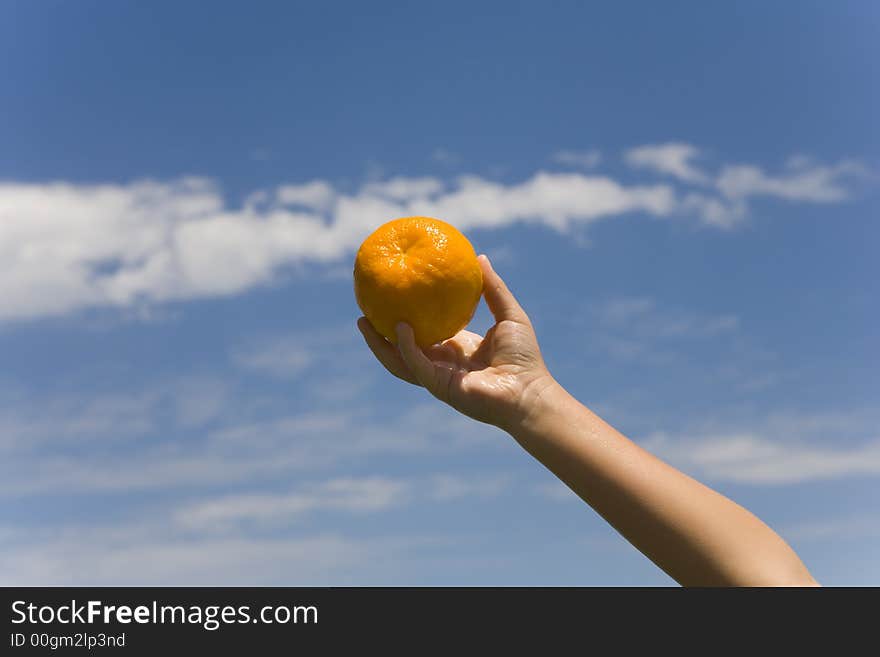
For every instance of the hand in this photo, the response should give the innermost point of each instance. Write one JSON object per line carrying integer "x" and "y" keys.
{"x": 493, "y": 379}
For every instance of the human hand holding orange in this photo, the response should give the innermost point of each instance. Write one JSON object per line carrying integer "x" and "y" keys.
{"x": 423, "y": 270}
{"x": 491, "y": 378}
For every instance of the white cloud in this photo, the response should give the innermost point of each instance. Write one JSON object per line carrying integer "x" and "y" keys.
{"x": 77, "y": 419}
{"x": 555, "y": 490}
{"x": 636, "y": 327}
{"x": 316, "y": 195}
{"x": 804, "y": 181}
{"x": 342, "y": 494}
{"x": 404, "y": 189}
{"x": 56, "y": 424}
{"x": 586, "y": 159}
{"x": 324, "y": 357}
{"x": 57, "y": 238}
{"x": 644, "y": 318}
{"x": 800, "y": 161}
{"x": 345, "y": 494}
{"x": 755, "y": 458}
{"x": 673, "y": 159}
{"x": 625, "y": 309}
{"x": 835, "y": 528}
{"x": 720, "y": 213}
{"x": 198, "y": 401}
{"x": 557, "y": 200}
{"x": 280, "y": 357}
{"x": 448, "y": 487}
{"x": 154, "y": 555}
{"x": 646, "y": 333}
{"x": 66, "y": 247}
{"x": 137, "y": 451}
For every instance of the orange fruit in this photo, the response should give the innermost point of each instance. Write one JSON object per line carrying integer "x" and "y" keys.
{"x": 421, "y": 271}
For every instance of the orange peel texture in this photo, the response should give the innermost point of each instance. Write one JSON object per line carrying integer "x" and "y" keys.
{"x": 421, "y": 271}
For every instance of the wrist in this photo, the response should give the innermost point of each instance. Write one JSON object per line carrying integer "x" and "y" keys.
{"x": 539, "y": 398}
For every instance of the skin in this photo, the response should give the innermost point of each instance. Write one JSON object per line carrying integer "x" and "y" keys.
{"x": 696, "y": 535}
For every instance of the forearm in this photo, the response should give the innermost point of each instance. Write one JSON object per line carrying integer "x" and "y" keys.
{"x": 696, "y": 535}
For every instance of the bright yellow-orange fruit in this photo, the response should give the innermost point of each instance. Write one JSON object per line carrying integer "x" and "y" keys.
{"x": 421, "y": 271}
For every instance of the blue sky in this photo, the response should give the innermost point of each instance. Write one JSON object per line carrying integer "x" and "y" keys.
{"x": 684, "y": 198}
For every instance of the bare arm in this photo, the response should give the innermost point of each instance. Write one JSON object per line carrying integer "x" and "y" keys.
{"x": 696, "y": 535}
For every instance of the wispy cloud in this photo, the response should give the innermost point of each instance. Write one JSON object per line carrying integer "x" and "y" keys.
{"x": 362, "y": 495}
{"x": 250, "y": 538}
{"x": 757, "y": 458}
{"x": 280, "y": 357}
{"x": 357, "y": 495}
{"x": 850, "y": 526}
{"x": 713, "y": 211}
{"x": 806, "y": 182}
{"x": 404, "y": 189}
{"x": 444, "y": 156}
{"x": 155, "y": 555}
{"x": 777, "y": 448}
{"x": 151, "y": 451}
{"x": 76, "y": 419}
{"x": 61, "y": 423}
{"x": 314, "y": 195}
{"x": 556, "y": 491}
{"x": 672, "y": 159}
{"x": 633, "y": 327}
{"x": 584, "y": 159}
{"x": 323, "y": 357}
{"x": 449, "y": 487}
{"x": 722, "y": 198}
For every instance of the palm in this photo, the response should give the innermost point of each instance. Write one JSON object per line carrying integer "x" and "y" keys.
{"x": 481, "y": 376}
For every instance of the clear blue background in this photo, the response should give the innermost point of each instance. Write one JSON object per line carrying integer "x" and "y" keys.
{"x": 254, "y": 95}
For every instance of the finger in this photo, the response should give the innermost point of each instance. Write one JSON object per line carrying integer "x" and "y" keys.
{"x": 462, "y": 345}
{"x": 385, "y": 352}
{"x": 443, "y": 352}
{"x": 500, "y": 300}
{"x": 418, "y": 363}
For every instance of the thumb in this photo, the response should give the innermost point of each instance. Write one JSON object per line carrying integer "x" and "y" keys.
{"x": 499, "y": 298}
